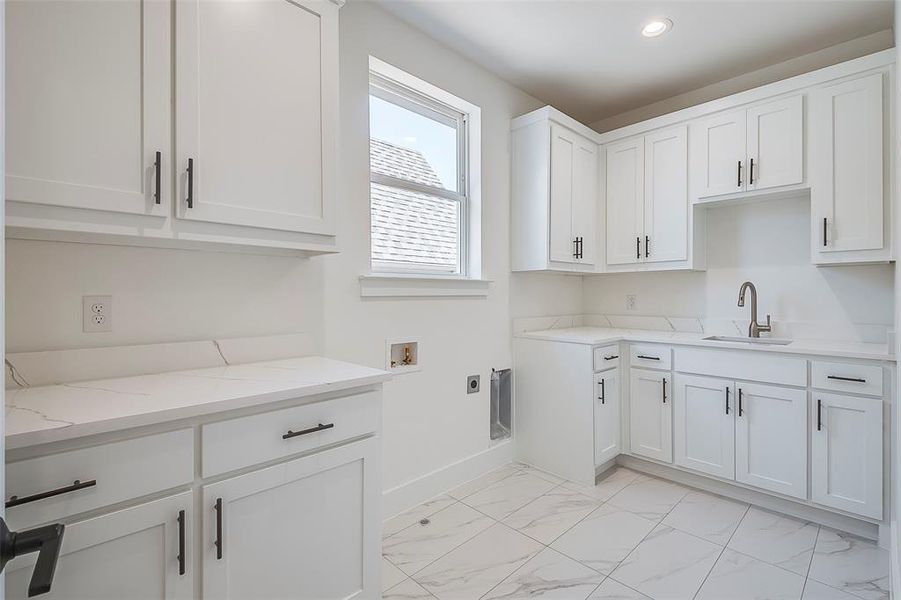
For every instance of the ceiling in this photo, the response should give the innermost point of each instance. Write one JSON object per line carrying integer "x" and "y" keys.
{"x": 589, "y": 59}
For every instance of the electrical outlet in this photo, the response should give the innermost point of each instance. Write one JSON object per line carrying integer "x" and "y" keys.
{"x": 97, "y": 314}
{"x": 472, "y": 384}
{"x": 631, "y": 302}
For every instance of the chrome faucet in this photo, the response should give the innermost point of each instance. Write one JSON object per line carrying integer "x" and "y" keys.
{"x": 755, "y": 328}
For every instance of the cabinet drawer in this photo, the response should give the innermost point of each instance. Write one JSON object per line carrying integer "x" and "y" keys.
{"x": 845, "y": 377}
{"x": 606, "y": 357}
{"x": 119, "y": 471}
{"x": 246, "y": 441}
{"x": 650, "y": 356}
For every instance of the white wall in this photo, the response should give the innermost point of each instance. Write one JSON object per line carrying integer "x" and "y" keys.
{"x": 769, "y": 244}
{"x": 429, "y": 420}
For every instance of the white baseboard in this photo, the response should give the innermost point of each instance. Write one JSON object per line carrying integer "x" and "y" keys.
{"x": 895, "y": 560}
{"x": 416, "y": 491}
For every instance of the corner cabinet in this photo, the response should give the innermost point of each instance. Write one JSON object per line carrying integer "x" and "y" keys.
{"x": 555, "y": 194}
{"x": 247, "y": 158}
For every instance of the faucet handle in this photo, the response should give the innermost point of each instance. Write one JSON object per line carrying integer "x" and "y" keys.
{"x": 769, "y": 326}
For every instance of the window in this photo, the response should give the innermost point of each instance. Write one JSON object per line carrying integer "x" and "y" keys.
{"x": 421, "y": 192}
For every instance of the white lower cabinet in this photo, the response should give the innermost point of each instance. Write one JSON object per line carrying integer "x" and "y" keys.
{"x": 130, "y": 553}
{"x": 704, "y": 425}
{"x": 651, "y": 414}
{"x": 308, "y": 528}
{"x": 771, "y": 438}
{"x": 846, "y": 453}
{"x": 606, "y": 416}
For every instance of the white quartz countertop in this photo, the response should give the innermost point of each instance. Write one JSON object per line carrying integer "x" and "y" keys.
{"x": 600, "y": 335}
{"x": 52, "y": 413}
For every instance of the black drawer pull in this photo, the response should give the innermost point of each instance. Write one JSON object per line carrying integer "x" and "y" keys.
{"x": 76, "y": 485}
{"x": 611, "y": 357}
{"x": 157, "y": 167}
{"x": 218, "y": 543}
{"x": 840, "y": 378}
{"x": 648, "y": 357}
{"x": 319, "y": 427}
{"x": 181, "y": 542}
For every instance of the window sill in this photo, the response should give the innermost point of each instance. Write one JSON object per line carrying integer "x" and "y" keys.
{"x": 413, "y": 286}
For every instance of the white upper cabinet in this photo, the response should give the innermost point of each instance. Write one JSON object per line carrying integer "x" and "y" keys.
{"x": 847, "y": 171}
{"x": 256, "y": 102}
{"x": 625, "y": 201}
{"x": 556, "y": 185}
{"x": 754, "y": 148}
{"x": 776, "y": 143}
{"x": 647, "y": 198}
{"x": 88, "y": 105}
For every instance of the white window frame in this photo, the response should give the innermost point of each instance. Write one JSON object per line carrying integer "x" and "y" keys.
{"x": 401, "y": 88}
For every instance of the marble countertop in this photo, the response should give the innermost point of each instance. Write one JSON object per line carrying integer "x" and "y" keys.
{"x": 51, "y": 413}
{"x": 601, "y": 335}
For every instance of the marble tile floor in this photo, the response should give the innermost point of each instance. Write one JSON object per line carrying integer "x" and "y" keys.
{"x": 518, "y": 532}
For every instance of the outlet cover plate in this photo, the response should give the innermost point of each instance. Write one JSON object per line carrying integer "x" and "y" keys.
{"x": 472, "y": 384}
{"x": 97, "y": 314}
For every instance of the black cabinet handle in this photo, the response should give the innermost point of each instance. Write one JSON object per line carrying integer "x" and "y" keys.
{"x": 181, "y": 542}
{"x": 637, "y": 247}
{"x": 157, "y": 167}
{"x": 647, "y": 246}
{"x": 611, "y": 357}
{"x": 603, "y": 396}
{"x": 824, "y": 230}
{"x": 46, "y": 541}
{"x": 840, "y": 378}
{"x": 739, "y": 173}
{"x": 819, "y": 415}
{"x": 76, "y": 485}
{"x": 664, "y": 390}
{"x": 751, "y": 173}
{"x": 218, "y": 543}
{"x": 727, "y": 401}
{"x": 647, "y": 357}
{"x": 739, "y": 403}
{"x": 319, "y": 427}
{"x": 190, "y": 170}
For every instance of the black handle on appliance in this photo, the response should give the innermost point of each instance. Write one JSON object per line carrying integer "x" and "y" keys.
{"x": 819, "y": 415}
{"x": 46, "y": 541}
{"x": 840, "y": 378}
{"x": 664, "y": 390}
{"x": 76, "y": 485}
{"x": 647, "y": 246}
{"x": 740, "y": 412}
{"x": 751, "y": 173}
{"x": 739, "y": 173}
{"x": 611, "y": 357}
{"x": 190, "y": 198}
{"x": 727, "y": 401}
{"x": 181, "y": 542}
{"x": 647, "y": 357}
{"x": 603, "y": 396}
{"x": 157, "y": 167}
{"x": 825, "y": 225}
{"x": 319, "y": 427}
{"x": 218, "y": 543}
{"x": 637, "y": 247}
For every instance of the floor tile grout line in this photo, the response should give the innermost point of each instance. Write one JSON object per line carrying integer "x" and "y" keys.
{"x": 723, "y": 551}
{"x": 810, "y": 564}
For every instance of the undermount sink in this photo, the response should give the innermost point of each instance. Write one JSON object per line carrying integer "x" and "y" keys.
{"x": 748, "y": 340}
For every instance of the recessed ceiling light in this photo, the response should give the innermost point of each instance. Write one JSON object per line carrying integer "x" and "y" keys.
{"x": 656, "y": 27}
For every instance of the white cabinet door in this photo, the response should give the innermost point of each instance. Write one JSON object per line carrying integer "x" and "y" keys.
{"x": 650, "y": 414}
{"x": 776, "y": 143}
{"x": 625, "y": 201}
{"x": 88, "y": 104}
{"x": 585, "y": 198}
{"x": 256, "y": 112}
{"x": 564, "y": 156}
{"x": 309, "y": 528}
{"x": 721, "y": 140}
{"x": 705, "y": 425}
{"x": 846, "y": 453}
{"x": 846, "y": 165}
{"x": 771, "y": 438}
{"x": 666, "y": 195}
{"x": 606, "y": 416}
{"x": 131, "y": 553}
